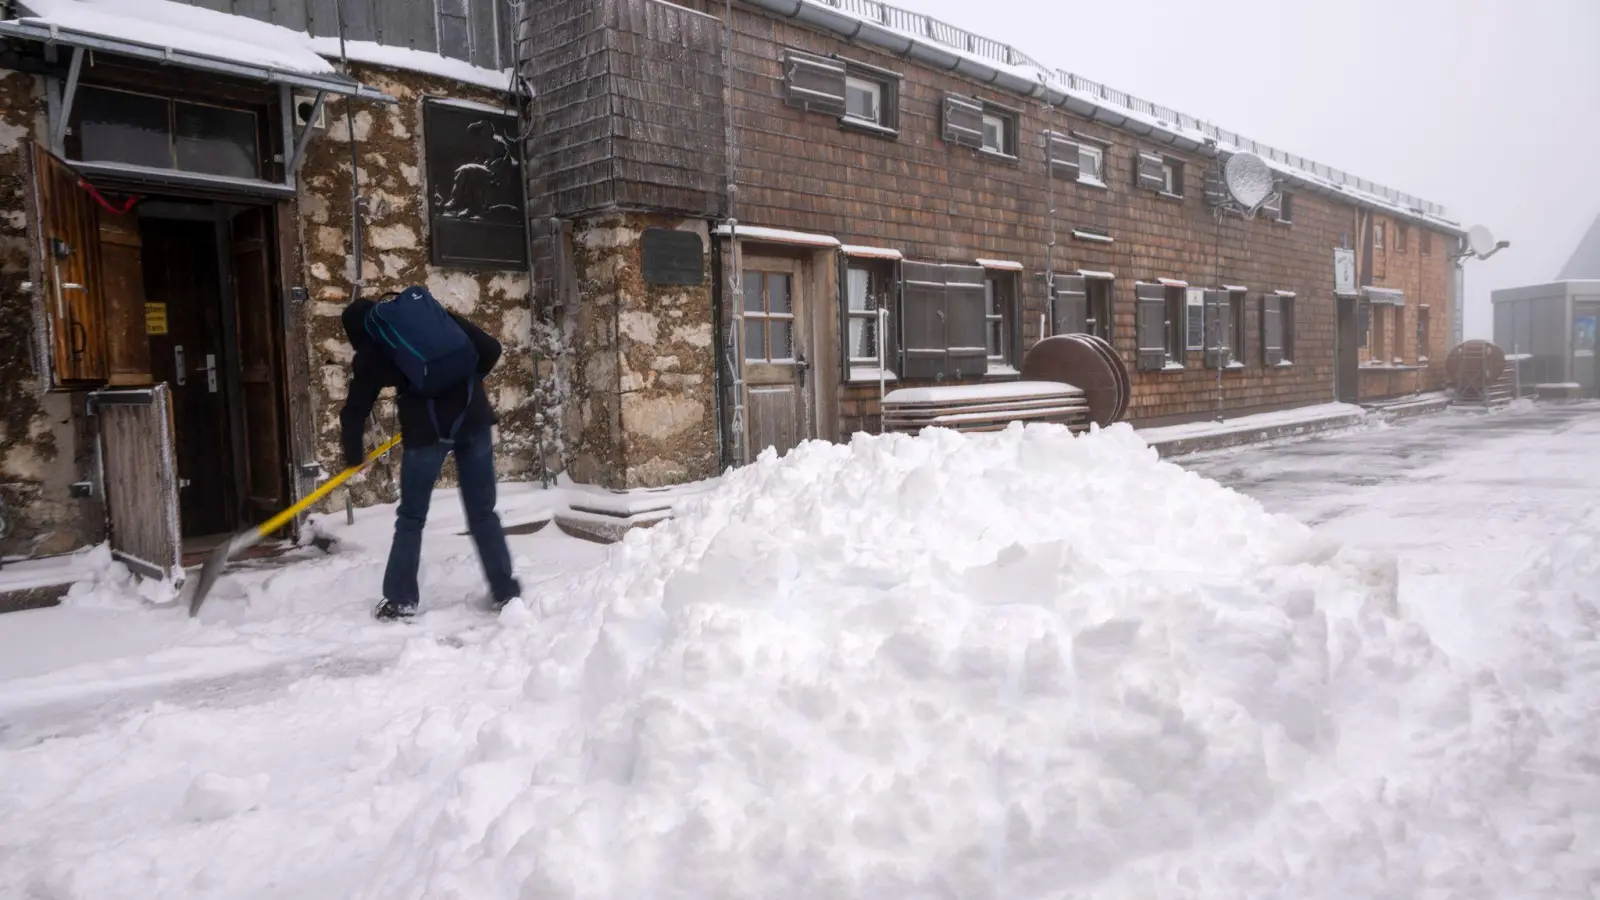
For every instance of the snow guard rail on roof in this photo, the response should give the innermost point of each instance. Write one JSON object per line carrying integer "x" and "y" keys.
{"x": 928, "y": 29}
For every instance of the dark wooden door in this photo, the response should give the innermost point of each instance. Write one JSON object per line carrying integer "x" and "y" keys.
{"x": 139, "y": 460}
{"x": 260, "y": 367}
{"x": 1347, "y": 361}
{"x": 181, "y": 269}
{"x": 65, "y": 267}
{"x": 776, "y": 343}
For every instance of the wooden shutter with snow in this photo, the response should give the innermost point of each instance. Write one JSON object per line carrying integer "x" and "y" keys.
{"x": 814, "y": 83}
{"x": 1150, "y": 325}
{"x": 1064, "y": 157}
{"x": 1072, "y": 305}
{"x": 963, "y": 121}
{"x": 1271, "y": 329}
{"x": 1273, "y": 205}
{"x": 922, "y": 315}
{"x": 1149, "y": 171}
{"x": 966, "y": 328}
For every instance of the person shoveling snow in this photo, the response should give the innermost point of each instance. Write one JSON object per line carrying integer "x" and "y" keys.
{"x": 437, "y": 361}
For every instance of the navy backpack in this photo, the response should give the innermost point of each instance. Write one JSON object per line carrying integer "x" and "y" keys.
{"x": 428, "y": 346}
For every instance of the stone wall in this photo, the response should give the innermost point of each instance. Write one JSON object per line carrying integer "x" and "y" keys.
{"x": 393, "y": 189}
{"x": 642, "y": 363}
{"x": 38, "y": 431}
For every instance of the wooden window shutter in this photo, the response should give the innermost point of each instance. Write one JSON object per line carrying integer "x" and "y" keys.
{"x": 1363, "y": 321}
{"x": 1072, "y": 305}
{"x": 1271, "y": 329}
{"x": 922, "y": 321}
{"x": 1064, "y": 158}
{"x": 1148, "y": 172}
{"x": 1218, "y": 320}
{"x": 963, "y": 121}
{"x": 1150, "y": 325}
{"x": 965, "y": 329}
{"x": 65, "y": 231}
{"x": 1273, "y": 205}
{"x": 813, "y": 83}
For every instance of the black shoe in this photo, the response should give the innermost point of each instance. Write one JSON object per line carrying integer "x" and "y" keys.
{"x": 388, "y": 611}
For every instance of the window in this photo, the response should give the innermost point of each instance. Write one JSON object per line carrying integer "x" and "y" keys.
{"x": 1277, "y": 329}
{"x": 1422, "y": 333}
{"x": 1159, "y": 325}
{"x": 1286, "y": 208}
{"x": 160, "y": 133}
{"x": 1400, "y": 233}
{"x": 768, "y": 317}
{"x": 861, "y": 96}
{"x": 1195, "y": 319}
{"x": 1377, "y": 236}
{"x": 475, "y": 212}
{"x": 1379, "y": 354}
{"x": 999, "y": 310}
{"x": 869, "y": 287}
{"x": 1235, "y": 329}
{"x": 1224, "y": 327}
{"x": 998, "y": 134}
{"x": 1102, "y": 311}
{"x": 1172, "y": 178}
{"x": 863, "y": 100}
{"x": 1092, "y": 165}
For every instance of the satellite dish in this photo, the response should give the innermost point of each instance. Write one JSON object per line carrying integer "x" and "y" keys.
{"x": 1480, "y": 240}
{"x": 1248, "y": 179}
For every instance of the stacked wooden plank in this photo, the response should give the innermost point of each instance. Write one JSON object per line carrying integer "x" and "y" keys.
{"x": 985, "y": 407}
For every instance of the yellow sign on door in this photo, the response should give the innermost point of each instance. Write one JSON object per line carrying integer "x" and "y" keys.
{"x": 155, "y": 318}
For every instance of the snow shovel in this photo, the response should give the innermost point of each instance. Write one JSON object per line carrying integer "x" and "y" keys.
{"x": 244, "y": 540}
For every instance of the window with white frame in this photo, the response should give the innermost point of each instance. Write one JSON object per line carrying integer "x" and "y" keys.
{"x": 863, "y": 100}
{"x": 1172, "y": 177}
{"x": 869, "y": 289}
{"x": 1195, "y": 320}
{"x": 1091, "y": 164}
{"x": 768, "y": 316}
{"x": 999, "y": 133}
{"x": 999, "y": 294}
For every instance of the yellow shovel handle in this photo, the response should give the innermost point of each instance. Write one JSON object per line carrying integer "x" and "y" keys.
{"x": 283, "y": 518}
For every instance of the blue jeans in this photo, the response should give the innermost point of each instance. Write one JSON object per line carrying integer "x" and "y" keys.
{"x": 419, "y": 471}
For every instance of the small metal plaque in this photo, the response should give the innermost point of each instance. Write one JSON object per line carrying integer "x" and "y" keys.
{"x": 672, "y": 257}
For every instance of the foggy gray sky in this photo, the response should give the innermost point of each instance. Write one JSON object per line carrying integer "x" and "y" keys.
{"x": 1491, "y": 107}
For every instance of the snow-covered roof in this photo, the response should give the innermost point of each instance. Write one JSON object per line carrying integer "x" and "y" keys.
{"x": 160, "y": 23}
{"x": 943, "y": 46}
{"x": 779, "y": 236}
{"x": 179, "y": 33}
{"x": 870, "y": 252}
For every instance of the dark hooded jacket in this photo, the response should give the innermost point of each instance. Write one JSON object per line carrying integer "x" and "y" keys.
{"x": 372, "y": 371}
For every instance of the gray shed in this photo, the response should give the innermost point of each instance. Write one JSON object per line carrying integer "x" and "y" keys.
{"x": 1554, "y": 325}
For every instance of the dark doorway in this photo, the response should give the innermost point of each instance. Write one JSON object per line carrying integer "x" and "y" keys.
{"x": 211, "y": 296}
{"x": 1346, "y": 344}
{"x": 181, "y": 272}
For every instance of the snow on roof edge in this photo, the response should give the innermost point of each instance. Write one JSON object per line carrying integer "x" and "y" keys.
{"x": 423, "y": 62}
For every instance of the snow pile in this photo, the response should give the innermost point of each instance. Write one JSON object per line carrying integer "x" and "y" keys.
{"x": 1014, "y": 666}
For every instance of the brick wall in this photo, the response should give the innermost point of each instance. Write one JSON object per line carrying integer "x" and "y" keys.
{"x": 1416, "y": 262}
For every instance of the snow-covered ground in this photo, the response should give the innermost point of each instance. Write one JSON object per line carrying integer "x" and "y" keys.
{"x": 999, "y": 666}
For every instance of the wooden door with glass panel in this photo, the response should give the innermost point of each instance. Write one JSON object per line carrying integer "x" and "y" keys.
{"x": 776, "y": 343}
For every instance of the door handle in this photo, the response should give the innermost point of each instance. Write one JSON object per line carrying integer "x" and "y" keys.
{"x": 801, "y": 367}
{"x": 178, "y": 366}
{"x": 211, "y": 372}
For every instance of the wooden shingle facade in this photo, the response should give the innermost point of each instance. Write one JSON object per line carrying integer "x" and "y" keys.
{"x": 978, "y": 217}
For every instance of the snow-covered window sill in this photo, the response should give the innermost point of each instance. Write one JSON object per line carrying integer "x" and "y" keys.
{"x": 997, "y": 156}
{"x": 1094, "y": 183}
{"x": 870, "y": 374}
{"x": 1173, "y": 367}
{"x": 850, "y": 123}
{"x": 1284, "y": 364}
{"x": 1176, "y": 198}
{"x": 1002, "y": 370}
